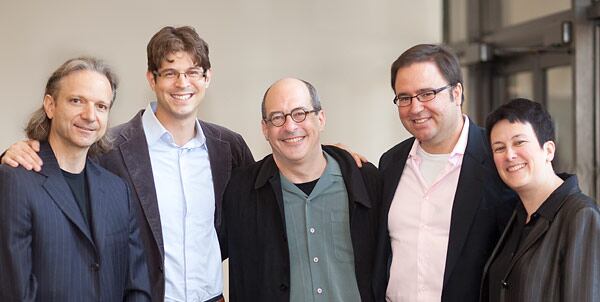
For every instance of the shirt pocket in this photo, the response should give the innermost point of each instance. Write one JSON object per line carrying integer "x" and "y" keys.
{"x": 342, "y": 242}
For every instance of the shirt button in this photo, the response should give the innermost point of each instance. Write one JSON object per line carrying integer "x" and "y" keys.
{"x": 319, "y": 291}
{"x": 95, "y": 267}
{"x": 312, "y": 230}
{"x": 504, "y": 284}
{"x": 316, "y": 259}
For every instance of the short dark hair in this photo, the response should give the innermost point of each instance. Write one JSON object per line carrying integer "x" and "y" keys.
{"x": 38, "y": 127}
{"x": 524, "y": 111}
{"x": 314, "y": 98}
{"x": 169, "y": 40}
{"x": 445, "y": 60}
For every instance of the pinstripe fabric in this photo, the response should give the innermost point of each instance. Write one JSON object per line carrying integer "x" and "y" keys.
{"x": 48, "y": 253}
{"x": 560, "y": 258}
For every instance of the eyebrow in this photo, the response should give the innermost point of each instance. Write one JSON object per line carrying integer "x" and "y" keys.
{"x": 419, "y": 91}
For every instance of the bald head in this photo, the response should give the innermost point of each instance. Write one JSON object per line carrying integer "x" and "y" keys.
{"x": 287, "y": 87}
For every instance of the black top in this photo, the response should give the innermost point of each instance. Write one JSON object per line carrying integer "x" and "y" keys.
{"x": 78, "y": 185}
{"x": 307, "y": 187}
{"x": 517, "y": 234}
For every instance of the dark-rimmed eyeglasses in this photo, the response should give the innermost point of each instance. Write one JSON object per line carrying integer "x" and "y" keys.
{"x": 425, "y": 96}
{"x": 298, "y": 115}
{"x": 194, "y": 74}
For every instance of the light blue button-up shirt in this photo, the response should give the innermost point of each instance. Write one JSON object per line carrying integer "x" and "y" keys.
{"x": 186, "y": 202}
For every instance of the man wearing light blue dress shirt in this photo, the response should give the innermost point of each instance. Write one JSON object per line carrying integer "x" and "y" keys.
{"x": 177, "y": 167}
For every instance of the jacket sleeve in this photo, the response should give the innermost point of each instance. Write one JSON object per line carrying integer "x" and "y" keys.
{"x": 582, "y": 257}
{"x": 17, "y": 282}
{"x": 138, "y": 282}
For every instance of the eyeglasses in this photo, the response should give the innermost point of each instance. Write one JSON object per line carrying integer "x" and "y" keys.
{"x": 298, "y": 115}
{"x": 425, "y": 96}
{"x": 193, "y": 74}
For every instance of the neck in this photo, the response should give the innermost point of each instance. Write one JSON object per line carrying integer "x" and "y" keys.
{"x": 304, "y": 170}
{"x": 69, "y": 159}
{"x": 446, "y": 144}
{"x": 533, "y": 198}
{"x": 182, "y": 130}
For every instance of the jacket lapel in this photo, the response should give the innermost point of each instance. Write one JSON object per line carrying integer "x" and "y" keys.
{"x": 136, "y": 157}
{"x": 391, "y": 175}
{"x": 56, "y": 186}
{"x": 467, "y": 199}
{"x": 97, "y": 195}
{"x": 219, "y": 155}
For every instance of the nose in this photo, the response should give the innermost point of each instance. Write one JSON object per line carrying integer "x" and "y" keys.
{"x": 182, "y": 80}
{"x": 289, "y": 124}
{"x": 415, "y": 106}
{"x": 89, "y": 112}
{"x": 510, "y": 153}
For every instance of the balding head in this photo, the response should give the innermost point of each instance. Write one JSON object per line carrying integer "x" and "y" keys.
{"x": 286, "y": 86}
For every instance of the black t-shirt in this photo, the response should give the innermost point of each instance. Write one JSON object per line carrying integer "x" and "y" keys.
{"x": 307, "y": 187}
{"x": 79, "y": 188}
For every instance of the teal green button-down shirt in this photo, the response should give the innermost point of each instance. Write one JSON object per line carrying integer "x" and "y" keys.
{"x": 318, "y": 232}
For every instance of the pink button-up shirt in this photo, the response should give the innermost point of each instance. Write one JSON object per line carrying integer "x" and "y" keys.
{"x": 419, "y": 225}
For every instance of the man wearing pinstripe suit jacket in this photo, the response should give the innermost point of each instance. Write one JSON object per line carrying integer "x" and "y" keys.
{"x": 68, "y": 232}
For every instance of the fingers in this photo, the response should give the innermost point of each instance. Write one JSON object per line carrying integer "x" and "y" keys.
{"x": 23, "y": 153}
{"x": 358, "y": 158}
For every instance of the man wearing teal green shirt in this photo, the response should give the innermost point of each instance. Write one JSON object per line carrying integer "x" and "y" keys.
{"x": 300, "y": 224}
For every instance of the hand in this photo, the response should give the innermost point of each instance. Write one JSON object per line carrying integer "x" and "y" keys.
{"x": 358, "y": 158}
{"x": 23, "y": 153}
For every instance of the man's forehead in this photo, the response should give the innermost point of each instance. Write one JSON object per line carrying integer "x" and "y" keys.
{"x": 177, "y": 55}
{"x": 286, "y": 99}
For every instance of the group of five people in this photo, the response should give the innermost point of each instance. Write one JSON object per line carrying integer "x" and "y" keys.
{"x": 305, "y": 223}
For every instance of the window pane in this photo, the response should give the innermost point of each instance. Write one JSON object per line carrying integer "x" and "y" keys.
{"x": 560, "y": 105}
{"x": 517, "y": 11}
{"x": 458, "y": 20}
{"x": 519, "y": 85}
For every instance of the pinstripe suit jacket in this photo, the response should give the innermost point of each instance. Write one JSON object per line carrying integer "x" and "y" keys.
{"x": 560, "y": 258}
{"x": 49, "y": 253}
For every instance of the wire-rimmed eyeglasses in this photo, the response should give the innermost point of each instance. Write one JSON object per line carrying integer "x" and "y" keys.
{"x": 194, "y": 73}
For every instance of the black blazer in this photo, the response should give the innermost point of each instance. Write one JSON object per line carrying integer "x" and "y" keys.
{"x": 560, "y": 258}
{"x": 47, "y": 250}
{"x": 254, "y": 235}
{"x": 481, "y": 208}
{"x": 130, "y": 159}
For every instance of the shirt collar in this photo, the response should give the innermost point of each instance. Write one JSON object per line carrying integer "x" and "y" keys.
{"x": 155, "y": 132}
{"x": 457, "y": 152}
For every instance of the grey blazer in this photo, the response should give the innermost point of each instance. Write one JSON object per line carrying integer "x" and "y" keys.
{"x": 47, "y": 250}
{"x": 560, "y": 258}
{"x": 130, "y": 159}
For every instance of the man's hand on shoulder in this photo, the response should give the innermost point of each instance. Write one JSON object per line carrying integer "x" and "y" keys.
{"x": 25, "y": 154}
{"x": 358, "y": 158}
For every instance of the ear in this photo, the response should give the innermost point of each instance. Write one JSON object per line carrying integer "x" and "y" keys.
{"x": 549, "y": 148}
{"x": 208, "y": 78}
{"x": 322, "y": 119}
{"x": 49, "y": 106}
{"x": 457, "y": 92}
{"x": 151, "y": 79}
{"x": 265, "y": 129}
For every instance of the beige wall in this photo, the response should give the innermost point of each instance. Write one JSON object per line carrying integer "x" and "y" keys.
{"x": 343, "y": 47}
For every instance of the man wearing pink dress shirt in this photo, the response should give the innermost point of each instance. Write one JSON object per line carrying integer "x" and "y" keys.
{"x": 444, "y": 206}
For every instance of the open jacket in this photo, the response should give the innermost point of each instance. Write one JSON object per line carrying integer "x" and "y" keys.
{"x": 254, "y": 236}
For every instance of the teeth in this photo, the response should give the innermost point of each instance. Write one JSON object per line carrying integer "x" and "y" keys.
{"x": 420, "y": 121}
{"x": 293, "y": 140}
{"x": 515, "y": 167}
{"x": 183, "y": 97}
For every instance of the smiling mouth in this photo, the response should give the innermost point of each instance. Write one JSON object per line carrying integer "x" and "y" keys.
{"x": 516, "y": 167}
{"x": 182, "y": 97}
{"x": 420, "y": 120}
{"x": 293, "y": 139}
